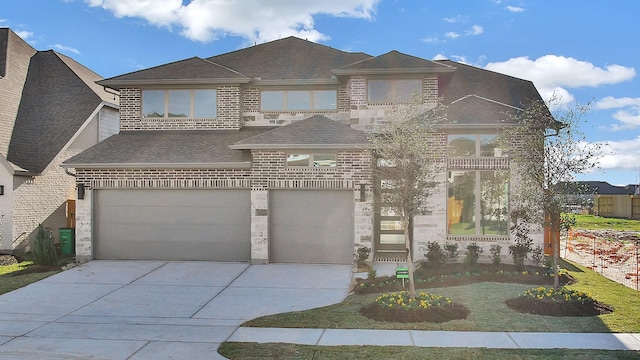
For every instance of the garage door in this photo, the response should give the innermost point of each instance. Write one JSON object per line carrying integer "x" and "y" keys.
{"x": 311, "y": 226}
{"x": 173, "y": 224}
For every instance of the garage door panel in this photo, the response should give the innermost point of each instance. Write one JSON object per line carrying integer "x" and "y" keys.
{"x": 173, "y": 224}
{"x": 311, "y": 226}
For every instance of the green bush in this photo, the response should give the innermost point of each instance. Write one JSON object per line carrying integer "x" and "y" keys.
{"x": 451, "y": 250}
{"x": 435, "y": 255}
{"x": 473, "y": 253}
{"x": 495, "y": 251}
{"x": 44, "y": 251}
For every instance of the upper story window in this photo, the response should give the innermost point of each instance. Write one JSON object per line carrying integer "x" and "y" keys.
{"x": 393, "y": 90}
{"x": 311, "y": 160}
{"x": 284, "y": 100}
{"x": 485, "y": 145}
{"x": 199, "y": 103}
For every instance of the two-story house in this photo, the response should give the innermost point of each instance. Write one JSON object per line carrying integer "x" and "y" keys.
{"x": 50, "y": 109}
{"x": 262, "y": 155}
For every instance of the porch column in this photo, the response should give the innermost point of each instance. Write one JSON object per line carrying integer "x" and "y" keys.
{"x": 84, "y": 227}
{"x": 259, "y": 226}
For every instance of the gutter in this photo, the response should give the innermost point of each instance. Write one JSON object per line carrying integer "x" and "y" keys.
{"x": 149, "y": 166}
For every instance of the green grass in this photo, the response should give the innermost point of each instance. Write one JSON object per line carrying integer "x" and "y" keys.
{"x": 488, "y": 311}
{"x": 9, "y": 282}
{"x": 591, "y": 222}
{"x": 292, "y": 351}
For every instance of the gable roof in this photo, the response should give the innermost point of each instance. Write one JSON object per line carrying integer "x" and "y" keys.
{"x": 470, "y": 80}
{"x": 168, "y": 149}
{"x": 394, "y": 62}
{"x": 59, "y": 96}
{"x": 190, "y": 71}
{"x": 474, "y": 110}
{"x": 315, "y": 132}
{"x": 288, "y": 58}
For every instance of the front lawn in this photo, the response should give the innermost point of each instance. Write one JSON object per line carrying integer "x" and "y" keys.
{"x": 487, "y": 309}
{"x": 15, "y": 276}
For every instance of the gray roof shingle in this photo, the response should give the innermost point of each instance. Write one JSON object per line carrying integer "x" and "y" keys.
{"x": 167, "y": 147}
{"x": 317, "y": 131}
{"x": 397, "y": 62}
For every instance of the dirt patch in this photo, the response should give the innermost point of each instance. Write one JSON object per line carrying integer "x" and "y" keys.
{"x": 438, "y": 314}
{"x": 550, "y": 308}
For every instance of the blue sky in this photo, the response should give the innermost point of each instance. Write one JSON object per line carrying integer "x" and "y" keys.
{"x": 584, "y": 50}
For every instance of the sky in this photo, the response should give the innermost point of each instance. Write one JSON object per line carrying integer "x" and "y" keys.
{"x": 583, "y": 51}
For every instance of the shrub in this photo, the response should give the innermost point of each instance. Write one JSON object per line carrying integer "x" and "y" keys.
{"x": 402, "y": 300}
{"x": 44, "y": 252}
{"x": 495, "y": 251}
{"x": 537, "y": 255}
{"x": 435, "y": 255}
{"x": 362, "y": 256}
{"x": 522, "y": 247}
{"x": 451, "y": 251}
{"x": 473, "y": 254}
{"x": 371, "y": 274}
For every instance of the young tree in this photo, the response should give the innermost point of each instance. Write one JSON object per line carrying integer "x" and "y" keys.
{"x": 407, "y": 161}
{"x": 550, "y": 151}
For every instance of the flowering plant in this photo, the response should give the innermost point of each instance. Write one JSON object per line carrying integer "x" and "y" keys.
{"x": 401, "y": 300}
{"x": 561, "y": 295}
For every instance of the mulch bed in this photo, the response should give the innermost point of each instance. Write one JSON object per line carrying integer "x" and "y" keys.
{"x": 550, "y": 308}
{"x": 438, "y": 314}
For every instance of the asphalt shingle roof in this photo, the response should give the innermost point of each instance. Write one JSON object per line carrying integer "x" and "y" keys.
{"x": 59, "y": 95}
{"x": 395, "y": 60}
{"x": 168, "y": 147}
{"x": 315, "y": 131}
{"x": 473, "y": 110}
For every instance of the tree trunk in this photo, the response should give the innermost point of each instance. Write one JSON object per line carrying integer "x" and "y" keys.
{"x": 407, "y": 242}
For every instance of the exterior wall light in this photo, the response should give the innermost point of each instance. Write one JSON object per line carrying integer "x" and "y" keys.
{"x": 1, "y": 189}
{"x": 80, "y": 191}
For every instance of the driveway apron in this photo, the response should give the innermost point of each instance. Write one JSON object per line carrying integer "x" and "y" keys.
{"x": 155, "y": 309}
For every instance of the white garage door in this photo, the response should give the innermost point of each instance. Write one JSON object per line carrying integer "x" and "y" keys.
{"x": 309, "y": 226}
{"x": 173, "y": 224}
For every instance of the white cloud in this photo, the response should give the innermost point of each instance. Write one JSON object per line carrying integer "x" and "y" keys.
{"x": 553, "y": 73}
{"x": 439, "y": 57}
{"x": 515, "y": 9}
{"x": 433, "y": 40}
{"x": 452, "y": 35}
{"x": 609, "y": 102}
{"x": 455, "y": 19}
{"x": 25, "y": 35}
{"x": 254, "y": 20}
{"x": 620, "y": 155}
{"x": 475, "y": 30}
{"x": 64, "y": 48}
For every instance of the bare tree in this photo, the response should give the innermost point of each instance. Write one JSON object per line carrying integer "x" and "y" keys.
{"x": 550, "y": 150}
{"x": 407, "y": 161}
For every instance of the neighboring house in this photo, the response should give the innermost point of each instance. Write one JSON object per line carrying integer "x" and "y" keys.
{"x": 50, "y": 109}
{"x": 609, "y": 200}
{"x": 262, "y": 155}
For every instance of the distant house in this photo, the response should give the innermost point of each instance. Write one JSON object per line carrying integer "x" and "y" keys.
{"x": 262, "y": 155}
{"x": 50, "y": 109}
{"x": 609, "y": 200}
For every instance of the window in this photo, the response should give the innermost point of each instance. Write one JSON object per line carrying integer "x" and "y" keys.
{"x": 311, "y": 160}
{"x": 179, "y": 103}
{"x": 477, "y": 203}
{"x": 285, "y": 100}
{"x": 385, "y": 91}
{"x": 486, "y": 145}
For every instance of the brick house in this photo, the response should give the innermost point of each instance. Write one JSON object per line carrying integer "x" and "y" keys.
{"x": 50, "y": 109}
{"x": 261, "y": 155}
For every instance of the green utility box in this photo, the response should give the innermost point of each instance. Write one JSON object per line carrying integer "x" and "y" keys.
{"x": 67, "y": 241}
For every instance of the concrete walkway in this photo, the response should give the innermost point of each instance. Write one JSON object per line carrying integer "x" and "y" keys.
{"x": 183, "y": 310}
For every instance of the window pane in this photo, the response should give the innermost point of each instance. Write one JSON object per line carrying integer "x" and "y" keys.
{"x": 298, "y": 160}
{"x": 406, "y": 90}
{"x": 461, "y": 203}
{"x": 391, "y": 239}
{"x": 153, "y": 103}
{"x": 495, "y": 202}
{"x": 179, "y": 103}
{"x": 462, "y": 145}
{"x": 298, "y": 100}
{"x": 204, "y": 103}
{"x": 390, "y": 225}
{"x": 272, "y": 100}
{"x": 379, "y": 90}
{"x": 325, "y": 100}
{"x": 324, "y": 160}
{"x": 490, "y": 146}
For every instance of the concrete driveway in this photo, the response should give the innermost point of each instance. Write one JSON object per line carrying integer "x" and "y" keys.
{"x": 155, "y": 309}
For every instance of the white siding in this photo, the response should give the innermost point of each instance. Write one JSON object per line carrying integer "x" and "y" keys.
{"x": 109, "y": 123}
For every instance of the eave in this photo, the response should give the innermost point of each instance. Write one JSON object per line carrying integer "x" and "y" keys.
{"x": 299, "y": 146}
{"x": 153, "y": 166}
{"x": 118, "y": 84}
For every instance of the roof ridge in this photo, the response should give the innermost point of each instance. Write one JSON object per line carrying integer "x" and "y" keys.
{"x": 485, "y": 99}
